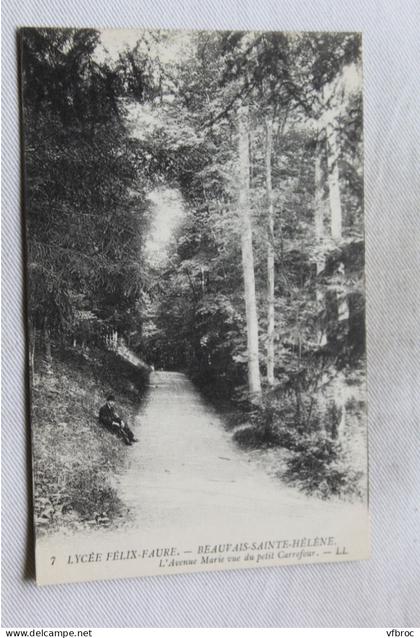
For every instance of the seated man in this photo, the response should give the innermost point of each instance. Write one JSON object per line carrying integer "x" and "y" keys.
{"x": 110, "y": 419}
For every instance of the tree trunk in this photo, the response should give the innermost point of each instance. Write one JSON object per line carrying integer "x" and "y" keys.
{"x": 47, "y": 350}
{"x": 254, "y": 381}
{"x": 203, "y": 284}
{"x": 319, "y": 223}
{"x": 338, "y": 397}
{"x": 270, "y": 254}
{"x": 319, "y": 196}
{"x": 32, "y": 333}
{"x": 333, "y": 183}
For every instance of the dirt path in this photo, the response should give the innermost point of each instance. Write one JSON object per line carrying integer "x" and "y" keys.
{"x": 189, "y": 487}
{"x": 186, "y": 470}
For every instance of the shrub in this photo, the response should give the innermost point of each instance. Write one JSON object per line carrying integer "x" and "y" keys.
{"x": 250, "y": 437}
{"x": 317, "y": 465}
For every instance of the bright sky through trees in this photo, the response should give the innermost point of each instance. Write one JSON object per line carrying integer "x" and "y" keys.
{"x": 168, "y": 210}
{"x": 172, "y": 44}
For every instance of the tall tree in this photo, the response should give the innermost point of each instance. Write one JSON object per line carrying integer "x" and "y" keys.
{"x": 334, "y": 181}
{"x": 319, "y": 206}
{"x": 254, "y": 380}
{"x": 86, "y": 206}
{"x": 270, "y": 252}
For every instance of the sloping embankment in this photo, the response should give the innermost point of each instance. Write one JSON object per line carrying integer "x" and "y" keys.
{"x": 75, "y": 460}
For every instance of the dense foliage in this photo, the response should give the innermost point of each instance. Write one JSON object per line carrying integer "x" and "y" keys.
{"x": 102, "y": 134}
{"x": 87, "y": 206}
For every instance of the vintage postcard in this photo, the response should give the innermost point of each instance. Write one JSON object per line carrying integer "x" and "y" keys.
{"x": 195, "y": 247}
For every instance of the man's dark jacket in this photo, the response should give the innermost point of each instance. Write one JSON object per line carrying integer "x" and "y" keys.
{"x": 107, "y": 416}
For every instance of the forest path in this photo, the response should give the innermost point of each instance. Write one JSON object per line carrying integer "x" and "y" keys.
{"x": 186, "y": 471}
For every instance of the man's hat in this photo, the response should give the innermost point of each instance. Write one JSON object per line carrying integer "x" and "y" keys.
{"x": 110, "y": 397}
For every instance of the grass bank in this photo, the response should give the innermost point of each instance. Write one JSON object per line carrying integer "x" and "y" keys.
{"x": 324, "y": 455}
{"x": 317, "y": 434}
{"x": 75, "y": 461}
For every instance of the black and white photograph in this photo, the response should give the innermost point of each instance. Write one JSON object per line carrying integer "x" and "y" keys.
{"x": 195, "y": 299}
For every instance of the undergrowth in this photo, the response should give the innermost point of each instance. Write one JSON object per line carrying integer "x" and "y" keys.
{"x": 74, "y": 459}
